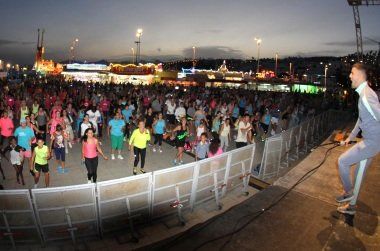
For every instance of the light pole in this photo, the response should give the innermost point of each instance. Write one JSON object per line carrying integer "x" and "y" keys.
{"x": 138, "y": 42}
{"x": 8, "y": 66}
{"x": 326, "y": 70}
{"x": 133, "y": 55}
{"x": 258, "y": 43}
{"x": 193, "y": 57}
{"x": 74, "y": 43}
{"x": 275, "y": 67}
{"x": 290, "y": 70}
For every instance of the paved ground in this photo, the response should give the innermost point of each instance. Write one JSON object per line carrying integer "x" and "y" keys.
{"x": 306, "y": 219}
{"x": 107, "y": 170}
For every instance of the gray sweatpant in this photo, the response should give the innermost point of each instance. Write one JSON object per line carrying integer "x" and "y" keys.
{"x": 360, "y": 151}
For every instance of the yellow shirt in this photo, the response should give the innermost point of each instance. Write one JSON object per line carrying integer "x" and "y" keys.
{"x": 139, "y": 139}
{"x": 41, "y": 154}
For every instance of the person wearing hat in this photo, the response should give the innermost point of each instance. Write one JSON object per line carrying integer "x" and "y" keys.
{"x": 25, "y": 136}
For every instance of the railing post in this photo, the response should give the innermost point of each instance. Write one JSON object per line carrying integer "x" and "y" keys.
{"x": 194, "y": 186}
{"x": 227, "y": 173}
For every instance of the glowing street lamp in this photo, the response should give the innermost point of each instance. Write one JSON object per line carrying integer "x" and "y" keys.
{"x": 194, "y": 57}
{"x": 258, "y": 43}
{"x": 326, "y": 70}
{"x": 8, "y": 66}
{"x": 275, "y": 67}
{"x": 133, "y": 55}
{"x": 73, "y": 46}
{"x": 139, "y": 33}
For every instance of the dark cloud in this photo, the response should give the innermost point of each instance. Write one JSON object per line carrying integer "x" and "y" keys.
{"x": 351, "y": 43}
{"x": 213, "y": 31}
{"x": 5, "y": 42}
{"x": 320, "y": 53}
{"x": 213, "y": 52}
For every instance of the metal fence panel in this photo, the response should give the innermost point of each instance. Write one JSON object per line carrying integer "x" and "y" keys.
{"x": 66, "y": 212}
{"x": 271, "y": 160}
{"x": 205, "y": 182}
{"x": 17, "y": 219}
{"x": 257, "y": 158}
{"x": 120, "y": 199}
{"x": 164, "y": 189}
{"x": 240, "y": 162}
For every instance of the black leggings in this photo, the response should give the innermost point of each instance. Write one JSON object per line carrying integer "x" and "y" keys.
{"x": 126, "y": 130}
{"x": 92, "y": 167}
{"x": 137, "y": 152}
{"x": 42, "y": 135}
{"x": 4, "y": 140}
{"x": 241, "y": 144}
{"x": 158, "y": 138}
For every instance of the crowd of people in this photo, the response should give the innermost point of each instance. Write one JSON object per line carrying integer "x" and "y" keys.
{"x": 43, "y": 120}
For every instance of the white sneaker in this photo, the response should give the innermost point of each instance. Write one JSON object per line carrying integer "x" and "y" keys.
{"x": 35, "y": 186}
{"x": 120, "y": 157}
{"x": 112, "y": 156}
{"x": 154, "y": 149}
{"x": 160, "y": 150}
{"x": 89, "y": 182}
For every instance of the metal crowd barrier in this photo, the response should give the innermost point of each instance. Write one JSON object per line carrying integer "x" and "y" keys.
{"x": 18, "y": 222}
{"x": 71, "y": 212}
{"x": 293, "y": 144}
{"x": 66, "y": 212}
{"x": 123, "y": 201}
{"x": 43, "y": 215}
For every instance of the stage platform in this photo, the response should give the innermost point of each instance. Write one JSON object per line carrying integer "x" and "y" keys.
{"x": 306, "y": 219}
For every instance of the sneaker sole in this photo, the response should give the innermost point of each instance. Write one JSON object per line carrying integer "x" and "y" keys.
{"x": 346, "y": 212}
{"x": 345, "y": 200}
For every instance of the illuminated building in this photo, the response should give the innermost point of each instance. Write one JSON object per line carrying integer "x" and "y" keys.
{"x": 42, "y": 66}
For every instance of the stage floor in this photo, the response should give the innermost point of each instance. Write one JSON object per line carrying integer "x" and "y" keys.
{"x": 306, "y": 219}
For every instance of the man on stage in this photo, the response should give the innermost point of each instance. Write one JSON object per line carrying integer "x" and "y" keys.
{"x": 365, "y": 150}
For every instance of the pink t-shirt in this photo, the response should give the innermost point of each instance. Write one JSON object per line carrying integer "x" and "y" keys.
{"x": 89, "y": 150}
{"x": 105, "y": 105}
{"x": 6, "y": 125}
{"x": 218, "y": 152}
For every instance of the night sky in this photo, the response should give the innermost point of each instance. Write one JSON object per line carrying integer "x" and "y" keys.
{"x": 218, "y": 28}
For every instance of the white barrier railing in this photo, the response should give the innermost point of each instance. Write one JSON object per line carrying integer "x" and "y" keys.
{"x": 66, "y": 212}
{"x": 75, "y": 211}
{"x": 291, "y": 144}
{"x": 17, "y": 220}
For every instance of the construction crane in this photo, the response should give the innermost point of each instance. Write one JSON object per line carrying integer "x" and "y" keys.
{"x": 355, "y": 6}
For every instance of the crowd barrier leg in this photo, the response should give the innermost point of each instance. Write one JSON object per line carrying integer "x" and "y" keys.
{"x": 71, "y": 229}
{"x": 134, "y": 234}
{"x": 9, "y": 233}
{"x": 178, "y": 204}
{"x": 216, "y": 192}
{"x": 245, "y": 179}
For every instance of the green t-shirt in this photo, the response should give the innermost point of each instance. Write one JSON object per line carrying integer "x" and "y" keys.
{"x": 41, "y": 154}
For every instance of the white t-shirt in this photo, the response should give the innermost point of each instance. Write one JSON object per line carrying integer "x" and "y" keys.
{"x": 242, "y": 136}
{"x": 83, "y": 128}
{"x": 171, "y": 108}
{"x": 180, "y": 112}
{"x": 93, "y": 116}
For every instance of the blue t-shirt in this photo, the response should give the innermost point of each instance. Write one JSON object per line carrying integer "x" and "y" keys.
{"x": 24, "y": 135}
{"x": 235, "y": 112}
{"x": 127, "y": 114}
{"x": 116, "y": 126}
{"x": 242, "y": 103}
{"x": 159, "y": 127}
